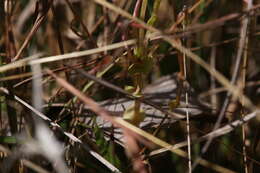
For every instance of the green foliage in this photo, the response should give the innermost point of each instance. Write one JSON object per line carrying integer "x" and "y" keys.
{"x": 173, "y": 104}
{"x": 106, "y": 148}
{"x": 134, "y": 116}
{"x": 143, "y": 65}
{"x": 8, "y": 140}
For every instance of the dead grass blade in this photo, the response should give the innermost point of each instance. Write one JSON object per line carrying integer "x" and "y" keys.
{"x": 83, "y": 53}
{"x": 19, "y": 63}
{"x": 35, "y": 27}
{"x": 180, "y": 19}
{"x": 34, "y": 59}
{"x": 214, "y": 134}
{"x": 77, "y": 17}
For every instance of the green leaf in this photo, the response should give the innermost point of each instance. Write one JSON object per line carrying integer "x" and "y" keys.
{"x": 100, "y": 139}
{"x": 138, "y": 52}
{"x": 173, "y": 104}
{"x": 129, "y": 88}
{"x": 8, "y": 140}
{"x": 133, "y": 116}
{"x": 111, "y": 156}
{"x": 144, "y": 66}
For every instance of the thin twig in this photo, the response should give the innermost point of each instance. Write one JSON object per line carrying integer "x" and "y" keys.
{"x": 243, "y": 76}
{"x": 213, "y": 98}
{"x": 34, "y": 29}
{"x": 89, "y": 37}
{"x": 185, "y": 20}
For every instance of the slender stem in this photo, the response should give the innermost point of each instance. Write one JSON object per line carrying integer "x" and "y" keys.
{"x": 142, "y": 17}
{"x": 187, "y": 98}
{"x": 244, "y": 65}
